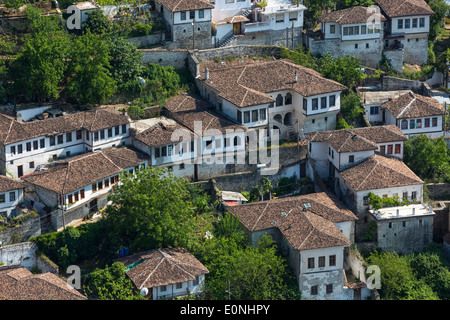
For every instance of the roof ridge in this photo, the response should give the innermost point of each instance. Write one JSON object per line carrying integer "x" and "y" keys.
{"x": 38, "y": 276}
{"x": 408, "y": 105}
{"x": 377, "y": 163}
{"x": 151, "y": 273}
{"x": 397, "y": 170}
{"x": 260, "y": 216}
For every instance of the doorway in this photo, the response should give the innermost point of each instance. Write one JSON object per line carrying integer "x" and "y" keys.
{"x": 237, "y": 28}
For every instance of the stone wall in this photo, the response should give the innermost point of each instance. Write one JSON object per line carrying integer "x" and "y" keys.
{"x": 270, "y": 38}
{"x": 164, "y": 57}
{"x": 147, "y": 40}
{"x": 21, "y": 253}
{"x": 438, "y": 191}
{"x": 393, "y": 83}
{"x": 184, "y": 38}
{"x": 30, "y": 228}
{"x": 415, "y": 49}
{"x": 395, "y": 57}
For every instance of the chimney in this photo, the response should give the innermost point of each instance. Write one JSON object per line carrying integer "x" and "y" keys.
{"x": 398, "y": 212}
{"x": 414, "y": 211}
{"x": 19, "y": 117}
{"x": 296, "y": 77}
{"x": 206, "y": 74}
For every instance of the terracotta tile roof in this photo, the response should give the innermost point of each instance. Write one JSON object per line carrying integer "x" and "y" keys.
{"x": 185, "y": 5}
{"x": 12, "y": 131}
{"x": 357, "y": 14}
{"x": 161, "y": 134}
{"x": 379, "y": 172}
{"x": 17, "y": 283}
{"x": 358, "y": 139}
{"x": 7, "y": 184}
{"x": 161, "y": 267}
{"x": 413, "y": 105}
{"x": 185, "y": 102}
{"x": 305, "y": 230}
{"x": 208, "y": 119}
{"x": 236, "y": 19}
{"x": 399, "y": 8}
{"x": 68, "y": 175}
{"x": 248, "y": 84}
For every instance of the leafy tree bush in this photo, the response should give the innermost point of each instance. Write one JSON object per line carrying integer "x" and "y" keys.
{"x": 351, "y": 106}
{"x": 342, "y": 124}
{"x": 97, "y": 22}
{"x": 110, "y": 283}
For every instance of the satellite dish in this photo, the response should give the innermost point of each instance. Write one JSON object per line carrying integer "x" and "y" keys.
{"x": 144, "y": 292}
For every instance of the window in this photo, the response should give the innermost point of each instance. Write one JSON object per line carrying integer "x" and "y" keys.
{"x": 279, "y": 100}
{"x": 351, "y": 159}
{"x": 414, "y": 23}
{"x": 356, "y": 30}
{"x": 321, "y": 262}
{"x": 254, "y": 115}
{"x": 390, "y": 147}
{"x": 236, "y": 141}
{"x": 310, "y": 263}
{"x": 413, "y": 195}
{"x": 262, "y": 114}
{"x": 363, "y": 29}
{"x": 404, "y": 224}
{"x": 374, "y": 110}
{"x": 110, "y": 134}
{"x": 192, "y": 14}
{"x": 102, "y": 134}
{"x": 31, "y": 164}
{"x": 422, "y": 23}
{"x": 356, "y": 46}
{"x": 382, "y": 149}
{"x": 366, "y": 200}
{"x": 179, "y": 285}
{"x": 390, "y": 225}
{"x": 404, "y": 124}
{"x": 412, "y": 124}
{"x": 68, "y": 136}
{"x": 70, "y": 199}
{"x": 124, "y": 129}
{"x": 12, "y": 196}
{"x": 305, "y": 104}
{"x": 332, "y": 100}
{"x": 280, "y": 18}
{"x": 332, "y": 29}
{"x": 19, "y": 149}
{"x": 183, "y": 15}
{"x": 96, "y": 136}
{"x": 181, "y": 166}
{"x": 405, "y": 195}
{"x": 163, "y": 288}
{"x": 315, "y": 103}
{"x": 398, "y": 148}
{"x": 419, "y": 123}
{"x": 2, "y": 198}
{"x": 332, "y": 260}
{"x": 60, "y": 139}
{"x": 208, "y": 144}
{"x": 157, "y": 153}
{"x": 13, "y": 149}
{"x": 36, "y": 145}
{"x": 100, "y": 185}
{"x": 407, "y": 23}
{"x": 164, "y": 151}
{"x": 345, "y": 31}
{"x": 116, "y": 130}
{"x": 329, "y": 288}
{"x": 367, "y": 46}
{"x": 427, "y": 123}
{"x": 79, "y": 135}
{"x": 82, "y": 193}
{"x": 28, "y": 146}
{"x": 239, "y": 116}
{"x": 292, "y": 16}
{"x": 106, "y": 183}
{"x": 169, "y": 150}
{"x": 332, "y": 154}
{"x": 201, "y": 13}
{"x": 400, "y": 24}
{"x": 314, "y": 290}
{"x": 42, "y": 143}
{"x": 76, "y": 196}
{"x": 288, "y": 99}
{"x": 246, "y": 116}
{"x": 434, "y": 122}
{"x": 323, "y": 102}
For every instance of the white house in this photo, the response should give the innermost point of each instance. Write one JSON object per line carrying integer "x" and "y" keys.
{"x": 355, "y": 31}
{"x": 247, "y": 20}
{"x": 312, "y": 230}
{"x": 404, "y": 229}
{"x": 372, "y": 101}
{"x": 187, "y": 22}
{"x": 271, "y": 94}
{"x": 165, "y": 273}
{"x": 415, "y": 114}
{"x": 83, "y": 182}
{"x": 407, "y": 28}
{"x": 337, "y": 150}
{"x": 11, "y": 194}
{"x": 24, "y": 146}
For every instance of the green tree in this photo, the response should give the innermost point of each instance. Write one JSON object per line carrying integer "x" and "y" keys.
{"x": 110, "y": 283}
{"x": 427, "y": 158}
{"x": 440, "y": 9}
{"x": 88, "y": 71}
{"x": 351, "y": 107}
{"x": 162, "y": 82}
{"x": 151, "y": 210}
{"x": 300, "y": 56}
{"x": 97, "y": 22}
{"x": 342, "y": 124}
{"x": 345, "y": 70}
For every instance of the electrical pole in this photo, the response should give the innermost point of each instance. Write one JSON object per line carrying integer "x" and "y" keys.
{"x": 193, "y": 34}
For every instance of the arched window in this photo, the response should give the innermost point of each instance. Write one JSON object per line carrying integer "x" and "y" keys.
{"x": 237, "y": 141}
{"x": 279, "y": 100}
{"x": 278, "y": 118}
{"x": 288, "y": 119}
{"x": 288, "y": 99}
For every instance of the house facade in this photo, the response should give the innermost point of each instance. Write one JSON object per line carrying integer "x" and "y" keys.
{"x": 406, "y": 29}
{"x": 166, "y": 273}
{"x": 356, "y": 31}
{"x": 80, "y": 185}
{"x": 187, "y": 23}
{"x": 295, "y": 224}
{"x": 25, "y": 146}
{"x": 415, "y": 114}
{"x": 244, "y": 22}
{"x": 11, "y": 194}
{"x": 372, "y": 101}
{"x": 271, "y": 95}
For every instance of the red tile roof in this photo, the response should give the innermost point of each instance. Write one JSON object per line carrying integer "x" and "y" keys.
{"x": 413, "y": 105}
{"x": 185, "y": 5}
{"x": 400, "y": 8}
{"x": 8, "y": 184}
{"x": 352, "y": 15}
